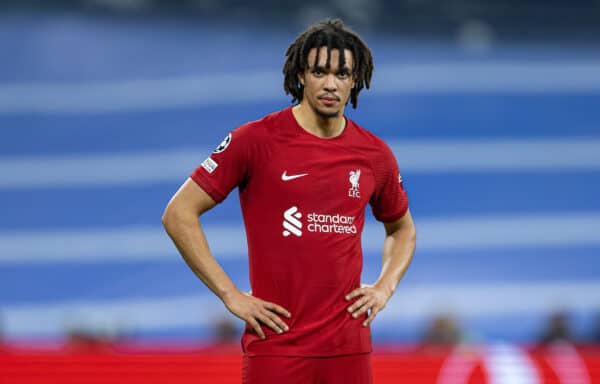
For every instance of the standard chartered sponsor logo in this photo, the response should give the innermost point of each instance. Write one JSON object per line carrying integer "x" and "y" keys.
{"x": 291, "y": 222}
{"x": 330, "y": 223}
{"x": 317, "y": 223}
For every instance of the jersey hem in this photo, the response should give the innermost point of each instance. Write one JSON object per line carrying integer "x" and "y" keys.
{"x": 203, "y": 183}
{"x": 306, "y": 355}
{"x": 393, "y": 218}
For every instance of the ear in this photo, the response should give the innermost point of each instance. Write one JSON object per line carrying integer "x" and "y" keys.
{"x": 301, "y": 78}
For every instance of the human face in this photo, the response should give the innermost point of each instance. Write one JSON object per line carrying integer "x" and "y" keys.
{"x": 326, "y": 90}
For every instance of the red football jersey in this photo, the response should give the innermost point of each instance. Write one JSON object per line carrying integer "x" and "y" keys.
{"x": 303, "y": 199}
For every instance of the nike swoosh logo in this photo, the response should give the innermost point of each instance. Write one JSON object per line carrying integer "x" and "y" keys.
{"x": 285, "y": 177}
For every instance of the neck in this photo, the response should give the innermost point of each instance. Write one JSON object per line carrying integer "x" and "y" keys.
{"x": 325, "y": 127}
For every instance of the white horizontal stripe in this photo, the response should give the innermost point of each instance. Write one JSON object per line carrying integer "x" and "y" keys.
{"x": 98, "y": 170}
{"x": 500, "y": 232}
{"x": 139, "y": 94}
{"x": 122, "y": 244}
{"x": 147, "y": 94}
{"x": 497, "y": 155}
{"x": 125, "y": 244}
{"x": 414, "y": 156}
{"x": 506, "y": 76}
{"x": 116, "y": 315}
{"x": 414, "y": 303}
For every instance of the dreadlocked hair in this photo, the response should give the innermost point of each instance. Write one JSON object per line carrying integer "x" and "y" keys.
{"x": 332, "y": 34}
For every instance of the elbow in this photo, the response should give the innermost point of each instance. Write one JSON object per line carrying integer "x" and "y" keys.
{"x": 169, "y": 217}
{"x": 413, "y": 236}
{"x": 405, "y": 234}
{"x": 165, "y": 218}
{"x": 177, "y": 215}
{"x": 411, "y": 232}
{"x": 408, "y": 234}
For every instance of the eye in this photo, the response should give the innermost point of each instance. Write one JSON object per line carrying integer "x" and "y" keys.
{"x": 343, "y": 74}
{"x": 317, "y": 72}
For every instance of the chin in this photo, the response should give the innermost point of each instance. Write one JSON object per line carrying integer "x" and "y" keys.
{"x": 326, "y": 114}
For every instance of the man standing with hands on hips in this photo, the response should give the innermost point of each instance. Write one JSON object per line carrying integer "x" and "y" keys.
{"x": 305, "y": 175}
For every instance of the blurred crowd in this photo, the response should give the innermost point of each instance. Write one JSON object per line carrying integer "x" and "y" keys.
{"x": 445, "y": 330}
{"x": 442, "y": 331}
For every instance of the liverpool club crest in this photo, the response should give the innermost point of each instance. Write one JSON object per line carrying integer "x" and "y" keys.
{"x": 354, "y": 182}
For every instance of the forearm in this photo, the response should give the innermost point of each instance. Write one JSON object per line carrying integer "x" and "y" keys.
{"x": 398, "y": 250}
{"x": 187, "y": 234}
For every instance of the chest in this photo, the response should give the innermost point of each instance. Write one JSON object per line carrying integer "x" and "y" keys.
{"x": 322, "y": 177}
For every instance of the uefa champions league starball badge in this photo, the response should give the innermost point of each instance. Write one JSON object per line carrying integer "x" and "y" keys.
{"x": 224, "y": 144}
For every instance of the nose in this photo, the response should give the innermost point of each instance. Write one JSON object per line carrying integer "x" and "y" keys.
{"x": 330, "y": 83}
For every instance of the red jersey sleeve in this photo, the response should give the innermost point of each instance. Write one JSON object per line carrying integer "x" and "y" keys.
{"x": 227, "y": 167}
{"x": 389, "y": 201}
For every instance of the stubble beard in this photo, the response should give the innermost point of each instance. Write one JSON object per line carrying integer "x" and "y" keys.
{"x": 327, "y": 115}
{"x": 324, "y": 114}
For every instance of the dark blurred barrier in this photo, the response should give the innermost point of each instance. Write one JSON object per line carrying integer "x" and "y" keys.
{"x": 524, "y": 19}
{"x": 125, "y": 364}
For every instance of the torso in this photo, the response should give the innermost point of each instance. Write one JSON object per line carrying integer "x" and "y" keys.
{"x": 304, "y": 206}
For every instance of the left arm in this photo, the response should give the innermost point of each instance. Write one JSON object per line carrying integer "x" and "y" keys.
{"x": 398, "y": 250}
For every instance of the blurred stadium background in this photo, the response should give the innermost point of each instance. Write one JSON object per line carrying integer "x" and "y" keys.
{"x": 492, "y": 109}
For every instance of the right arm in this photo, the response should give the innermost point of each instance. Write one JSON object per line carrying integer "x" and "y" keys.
{"x": 180, "y": 220}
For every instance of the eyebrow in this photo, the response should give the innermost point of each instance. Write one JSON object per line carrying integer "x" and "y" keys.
{"x": 321, "y": 68}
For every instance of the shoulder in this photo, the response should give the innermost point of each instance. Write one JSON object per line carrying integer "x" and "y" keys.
{"x": 259, "y": 129}
{"x": 369, "y": 139}
{"x": 378, "y": 152}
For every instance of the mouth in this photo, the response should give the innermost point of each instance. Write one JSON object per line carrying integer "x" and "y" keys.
{"x": 329, "y": 100}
